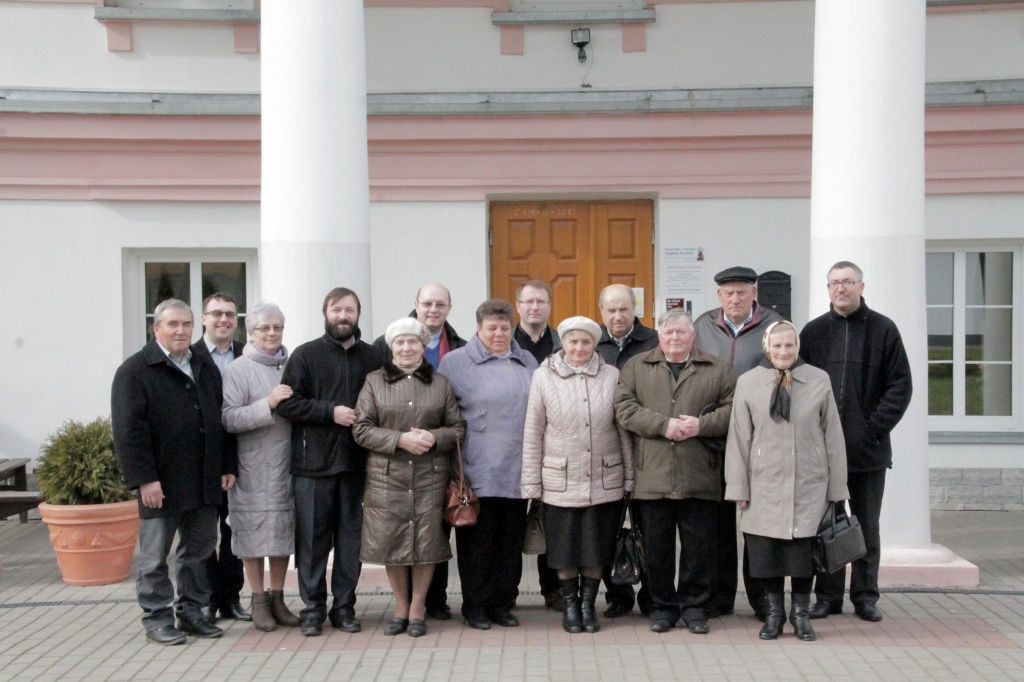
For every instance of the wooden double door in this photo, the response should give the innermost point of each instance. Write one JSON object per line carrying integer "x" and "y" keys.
{"x": 578, "y": 247}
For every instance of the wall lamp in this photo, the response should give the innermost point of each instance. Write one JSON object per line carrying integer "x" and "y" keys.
{"x": 581, "y": 38}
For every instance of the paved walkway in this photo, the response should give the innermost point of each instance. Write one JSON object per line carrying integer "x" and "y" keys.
{"x": 49, "y": 631}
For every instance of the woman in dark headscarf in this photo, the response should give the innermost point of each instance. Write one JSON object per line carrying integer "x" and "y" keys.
{"x": 785, "y": 461}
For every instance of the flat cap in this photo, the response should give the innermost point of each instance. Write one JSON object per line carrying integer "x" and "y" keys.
{"x": 736, "y": 274}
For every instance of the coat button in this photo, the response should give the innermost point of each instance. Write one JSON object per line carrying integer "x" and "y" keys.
{"x": 410, "y": 402}
{"x": 202, "y": 430}
{"x": 197, "y": 407}
{"x": 188, "y": 385}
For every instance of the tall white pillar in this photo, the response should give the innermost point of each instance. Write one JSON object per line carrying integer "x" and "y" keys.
{"x": 315, "y": 182}
{"x": 867, "y": 206}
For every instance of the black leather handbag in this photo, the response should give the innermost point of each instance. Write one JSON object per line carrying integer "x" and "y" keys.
{"x": 629, "y": 564}
{"x": 840, "y": 541}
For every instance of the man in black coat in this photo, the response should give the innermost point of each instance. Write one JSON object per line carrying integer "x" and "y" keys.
{"x": 166, "y": 413}
{"x": 864, "y": 356}
{"x": 328, "y": 468}
{"x": 622, "y": 337}
{"x": 227, "y": 576}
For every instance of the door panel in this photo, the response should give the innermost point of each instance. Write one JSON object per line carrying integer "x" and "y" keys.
{"x": 576, "y": 247}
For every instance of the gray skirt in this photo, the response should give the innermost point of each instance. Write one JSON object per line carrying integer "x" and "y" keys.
{"x": 581, "y": 536}
{"x": 256, "y": 534}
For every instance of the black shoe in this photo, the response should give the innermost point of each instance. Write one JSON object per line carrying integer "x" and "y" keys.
{"x": 588, "y": 595}
{"x": 167, "y": 635}
{"x": 504, "y": 618}
{"x": 661, "y": 625}
{"x": 439, "y": 612}
{"x": 235, "y": 612}
{"x": 698, "y": 626}
{"x": 396, "y": 626}
{"x": 199, "y": 627}
{"x": 617, "y": 610}
{"x": 209, "y": 614}
{"x": 572, "y": 619}
{"x": 417, "y": 628}
{"x": 553, "y": 600}
{"x": 346, "y": 622}
{"x": 311, "y": 626}
{"x": 868, "y": 611}
{"x": 775, "y": 618}
{"x": 477, "y": 620}
{"x": 823, "y": 608}
{"x": 800, "y": 619}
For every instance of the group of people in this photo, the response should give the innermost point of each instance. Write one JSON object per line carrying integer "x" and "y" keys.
{"x": 346, "y": 446}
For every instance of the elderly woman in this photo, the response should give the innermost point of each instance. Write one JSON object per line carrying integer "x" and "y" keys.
{"x": 261, "y": 507}
{"x": 408, "y": 419}
{"x": 491, "y": 379}
{"x": 785, "y": 461}
{"x": 579, "y": 463}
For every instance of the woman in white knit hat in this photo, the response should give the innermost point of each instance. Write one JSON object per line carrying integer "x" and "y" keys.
{"x": 580, "y": 463}
{"x": 408, "y": 419}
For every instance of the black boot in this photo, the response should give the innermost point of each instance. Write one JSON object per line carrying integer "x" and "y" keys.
{"x": 800, "y": 619}
{"x": 571, "y": 618}
{"x": 775, "y": 617}
{"x": 588, "y": 594}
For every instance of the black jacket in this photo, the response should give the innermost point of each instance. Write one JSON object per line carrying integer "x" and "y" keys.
{"x": 167, "y": 428}
{"x": 200, "y": 348}
{"x": 324, "y": 374}
{"x": 865, "y": 359}
{"x": 454, "y": 340}
{"x": 639, "y": 340}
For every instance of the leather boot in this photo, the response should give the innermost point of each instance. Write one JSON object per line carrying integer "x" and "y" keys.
{"x": 571, "y": 617}
{"x": 262, "y": 619}
{"x": 280, "y": 611}
{"x": 775, "y": 616}
{"x": 800, "y": 619}
{"x": 588, "y": 594}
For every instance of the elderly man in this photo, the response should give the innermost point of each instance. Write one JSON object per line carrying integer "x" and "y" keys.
{"x": 432, "y": 306}
{"x": 733, "y": 332}
{"x": 671, "y": 399}
{"x": 220, "y": 320}
{"x": 328, "y": 467}
{"x": 863, "y": 353}
{"x": 622, "y": 337}
{"x": 166, "y": 412}
{"x": 539, "y": 339}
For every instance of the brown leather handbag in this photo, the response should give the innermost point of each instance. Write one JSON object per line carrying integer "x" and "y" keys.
{"x": 461, "y": 507}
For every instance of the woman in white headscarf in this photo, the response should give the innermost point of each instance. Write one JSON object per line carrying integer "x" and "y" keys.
{"x": 784, "y": 462}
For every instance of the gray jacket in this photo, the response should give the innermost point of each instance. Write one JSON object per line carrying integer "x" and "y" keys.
{"x": 492, "y": 394}
{"x": 742, "y": 352}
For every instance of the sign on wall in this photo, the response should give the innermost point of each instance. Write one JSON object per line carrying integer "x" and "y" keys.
{"x": 683, "y": 278}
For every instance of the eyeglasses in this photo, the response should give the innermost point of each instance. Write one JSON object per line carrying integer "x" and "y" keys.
{"x": 845, "y": 283}
{"x": 267, "y": 328}
{"x": 221, "y": 313}
{"x": 534, "y": 302}
{"x": 433, "y": 304}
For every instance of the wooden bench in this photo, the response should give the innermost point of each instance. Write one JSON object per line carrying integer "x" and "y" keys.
{"x": 13, "y": 489}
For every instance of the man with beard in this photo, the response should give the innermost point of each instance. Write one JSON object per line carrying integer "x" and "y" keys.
{"x": 328, "y": 468}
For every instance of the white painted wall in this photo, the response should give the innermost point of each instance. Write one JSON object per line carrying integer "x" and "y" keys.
{"x": 974, "y": 216}
{"x": 965, "y": 46}
{"x": 949, "y": 456}
{"x": 415, "y": 243}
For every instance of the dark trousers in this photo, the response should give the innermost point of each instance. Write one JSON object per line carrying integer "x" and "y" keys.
{"x": 227, "y": 574}
{"x": 546, "y": 576}
{"x": 328, "y": 515}
{"x": 437, "y": 593}
{"x": 197, "y": 540}
{"x": 866, "y": 490}
{"x": 624, "y": 595}
{"x": 696, "y": 523}
{"x": 490, "y": 555}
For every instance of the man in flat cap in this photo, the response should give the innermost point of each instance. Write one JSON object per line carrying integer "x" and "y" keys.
{"x": 733, "y": 332}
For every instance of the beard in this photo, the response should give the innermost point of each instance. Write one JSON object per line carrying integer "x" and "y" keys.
{"x": 343, "y": 331}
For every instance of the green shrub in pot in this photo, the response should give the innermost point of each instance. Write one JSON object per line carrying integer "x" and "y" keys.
{"x": 78, "y": 465}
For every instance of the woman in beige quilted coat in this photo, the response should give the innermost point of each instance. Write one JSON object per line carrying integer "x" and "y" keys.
{"x": 579, "y": 463}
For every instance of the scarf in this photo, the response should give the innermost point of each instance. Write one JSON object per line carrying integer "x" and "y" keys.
{"x": 779, "y": 406}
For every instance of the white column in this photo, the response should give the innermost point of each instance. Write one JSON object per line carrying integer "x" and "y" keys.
{"x": 867, "y": 206}
{"x": 315, "y": 186}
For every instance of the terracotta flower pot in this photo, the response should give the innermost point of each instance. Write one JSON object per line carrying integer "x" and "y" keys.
{"x": 94, "y": 542}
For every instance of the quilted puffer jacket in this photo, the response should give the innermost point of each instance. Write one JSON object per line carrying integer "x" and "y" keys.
{"x": 574, "y": 455}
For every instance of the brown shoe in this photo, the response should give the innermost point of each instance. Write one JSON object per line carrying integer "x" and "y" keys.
{"x": 260, "y": 610}
{"x": 280, "y": 611}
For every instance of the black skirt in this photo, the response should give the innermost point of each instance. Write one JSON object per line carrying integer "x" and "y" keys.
{"x": 581, "y": 536}
{"x": 775, "y": 558}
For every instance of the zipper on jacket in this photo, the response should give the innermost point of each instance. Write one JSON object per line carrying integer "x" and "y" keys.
{"x": 846, "y": 353}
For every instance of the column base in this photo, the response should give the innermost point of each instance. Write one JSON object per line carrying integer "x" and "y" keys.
{"x": 929, "y": 566}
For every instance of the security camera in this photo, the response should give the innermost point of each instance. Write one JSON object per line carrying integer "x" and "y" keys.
{"x": 581, "y": 38}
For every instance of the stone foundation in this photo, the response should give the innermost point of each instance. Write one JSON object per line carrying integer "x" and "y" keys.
{"x": 977, "y": 489}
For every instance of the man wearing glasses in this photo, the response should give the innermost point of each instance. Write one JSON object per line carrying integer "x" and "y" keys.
{"x": 220, "y": 320}
{"x": 432, "y": 306}
{"x": 863, "y": 354}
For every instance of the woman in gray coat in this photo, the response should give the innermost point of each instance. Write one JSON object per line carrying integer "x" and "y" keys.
{"x": 261, "y": 507}
{"x": 784, "y": 462}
